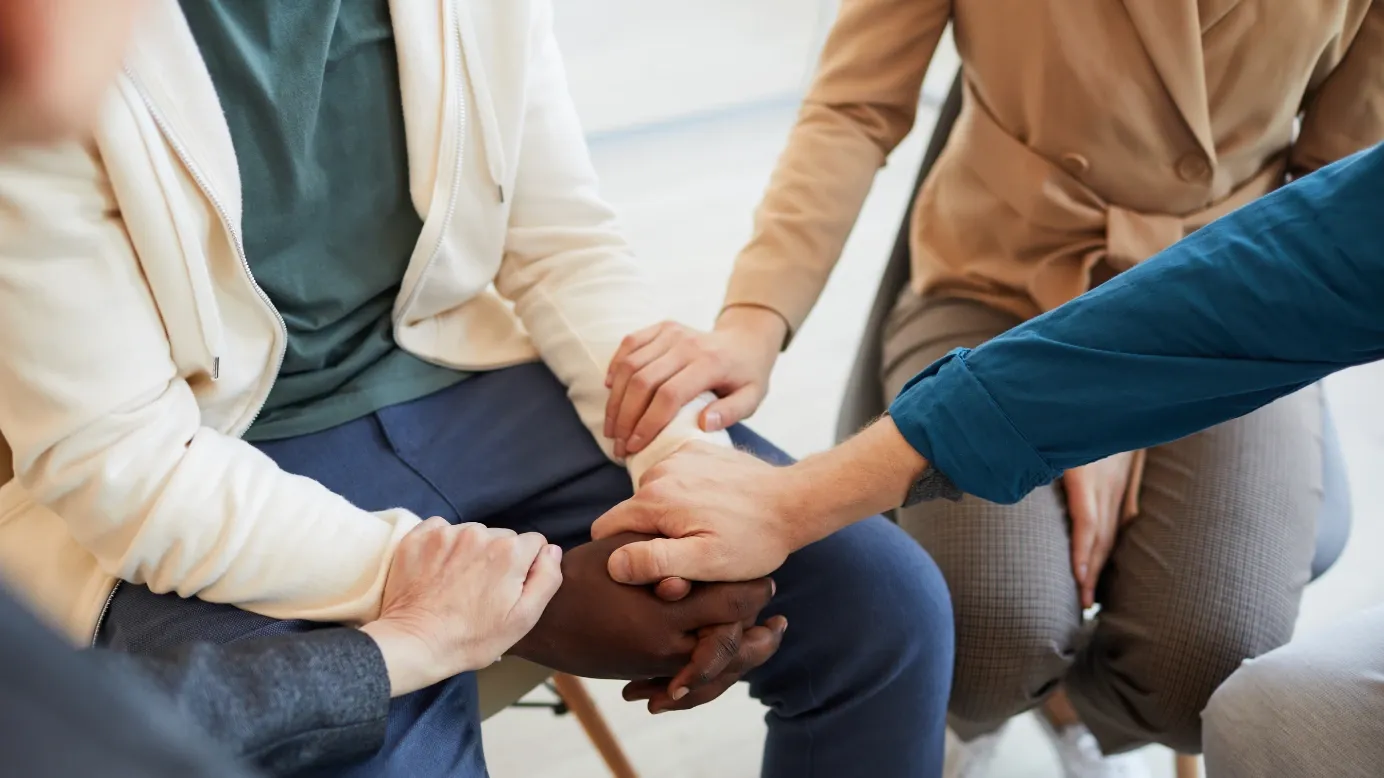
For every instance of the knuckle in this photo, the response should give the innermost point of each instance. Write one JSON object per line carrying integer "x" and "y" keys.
{"x": 669, "y": 395}
{"x": 728, "y": 643}
{"x": 472, "y": 536}
{"x": 667, "y": 652}
{"x": 657, "y": 558}
{"x": 741, "y": 605}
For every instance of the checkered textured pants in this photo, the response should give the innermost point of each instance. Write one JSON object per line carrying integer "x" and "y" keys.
{"x": 1208, "y": 574}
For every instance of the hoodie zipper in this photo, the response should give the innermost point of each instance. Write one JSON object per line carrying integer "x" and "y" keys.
{"x": 101, "y": 617}
{"x": 181, "y": 151}
{"x": 201, "y": 181}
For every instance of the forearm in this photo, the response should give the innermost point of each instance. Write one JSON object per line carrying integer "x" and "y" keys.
{"x": 1251, "y": 308}
{"x": 284, "y": 703}
{"x": 870, "y": 473}
{"x": 862, "y": 102}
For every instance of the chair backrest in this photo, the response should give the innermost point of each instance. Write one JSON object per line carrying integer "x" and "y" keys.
{"x": 864, "y": 398}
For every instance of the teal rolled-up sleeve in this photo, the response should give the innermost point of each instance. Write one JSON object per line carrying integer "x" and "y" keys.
{"x": 985, "y": 452}
{"x": 1253, "y": 307}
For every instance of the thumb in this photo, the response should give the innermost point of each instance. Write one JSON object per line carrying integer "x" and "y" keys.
{"x": 649, "y": 561}
{"x": 731, "y": 409}
{"x": 545, "y": 576}
{"x": 673, "y": 589}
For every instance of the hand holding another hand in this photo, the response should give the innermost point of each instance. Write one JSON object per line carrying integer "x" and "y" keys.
{"x": 660, "y": 369}
{"x": 721, "y": 512}
{"x": 702, "y": 639}
{"x": 458, "y": 597}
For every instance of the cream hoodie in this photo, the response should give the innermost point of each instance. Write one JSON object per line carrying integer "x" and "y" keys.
{"x": 135, "y": 348}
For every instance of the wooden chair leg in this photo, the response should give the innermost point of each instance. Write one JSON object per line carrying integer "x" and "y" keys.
{"x": 1187, "y": 766}
{"x": 579, "y": 702}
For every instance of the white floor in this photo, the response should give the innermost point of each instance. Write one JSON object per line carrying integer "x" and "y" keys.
{"x": 686, "y": 191}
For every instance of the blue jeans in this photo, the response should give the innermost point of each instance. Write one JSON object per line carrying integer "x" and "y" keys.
{"x": 858, "y": 688}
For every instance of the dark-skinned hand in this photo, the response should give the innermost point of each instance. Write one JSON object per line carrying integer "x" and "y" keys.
{"x": 597, "y": 628}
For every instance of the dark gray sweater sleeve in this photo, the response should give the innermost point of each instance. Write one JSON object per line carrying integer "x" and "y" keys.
{"x": 63, "y": 714}
{"x": 282, "y": 703}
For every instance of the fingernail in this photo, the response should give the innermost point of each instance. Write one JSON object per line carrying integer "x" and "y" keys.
{"x": 619, "y": 449}
{"x": 1081, "y": 571}
{"x": 712, "y": 420}
{"x": 680, "y": 692}
{"x": 773, "y": 588}
{"x": 555, "y": 552}
{"x": 619, "y": 566}
{"x": 784, "y": 628}
{"x": 636, "y": 443}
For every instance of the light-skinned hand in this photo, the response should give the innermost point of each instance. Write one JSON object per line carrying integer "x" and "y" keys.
{"x": 1096, "y": 504}
{"x": 458, "y": 597}
{"x": 720, "y": 512}
{"x": 662, "y": 368}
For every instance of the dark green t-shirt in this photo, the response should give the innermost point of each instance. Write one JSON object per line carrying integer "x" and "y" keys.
{"x": 310, "y": 89}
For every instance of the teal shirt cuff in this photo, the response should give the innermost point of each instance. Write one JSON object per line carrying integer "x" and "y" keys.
{"x": 949, "y": 417}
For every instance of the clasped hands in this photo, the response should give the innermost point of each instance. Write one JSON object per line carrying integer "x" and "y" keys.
{"x": 680, "y": 644}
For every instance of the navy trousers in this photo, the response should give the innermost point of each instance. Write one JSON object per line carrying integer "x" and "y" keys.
{"x": 858, "y": 688}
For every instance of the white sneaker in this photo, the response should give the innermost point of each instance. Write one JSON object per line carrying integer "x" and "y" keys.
{"x": 1081, "y": 757}
{"x": 971, "y": 759}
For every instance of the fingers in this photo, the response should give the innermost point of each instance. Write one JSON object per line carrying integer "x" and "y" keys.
{"x": 629, "y": 345}
{"x": 731, "y": 409}
{"x": 1100, "y": 550}
{"x": 623, "y": 369}
{"x": 757, "y": 646}
{"x": 670, "y": 397}
{"x": 544, "y": 578}
{"x": 639, "y": 392}
{"x": 725, "y": 602}
{"x": 673, "y": 589}
{"x": 717, "y": 647}
{"x": 528, "y": 546}
{"x": 649, "y": 561}
{"x": 1081, "y": 508}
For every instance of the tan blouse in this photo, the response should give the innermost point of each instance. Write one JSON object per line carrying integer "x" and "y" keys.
{"x": 1093, "y": 131}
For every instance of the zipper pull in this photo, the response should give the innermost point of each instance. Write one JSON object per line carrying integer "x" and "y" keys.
{"x": 501, "y": 187}
{"x": 215, "y": 368}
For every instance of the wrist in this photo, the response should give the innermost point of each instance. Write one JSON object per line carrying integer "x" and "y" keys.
{"x": 868, "y": 474}
{"x": 408, "y": 659}
{"x": 798, "y": 508}
{"x": 764, "y": 326}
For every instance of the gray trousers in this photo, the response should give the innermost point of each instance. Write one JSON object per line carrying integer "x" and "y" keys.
{"x": 1312, "y": 709}
{"x": 1209, "y": 573}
